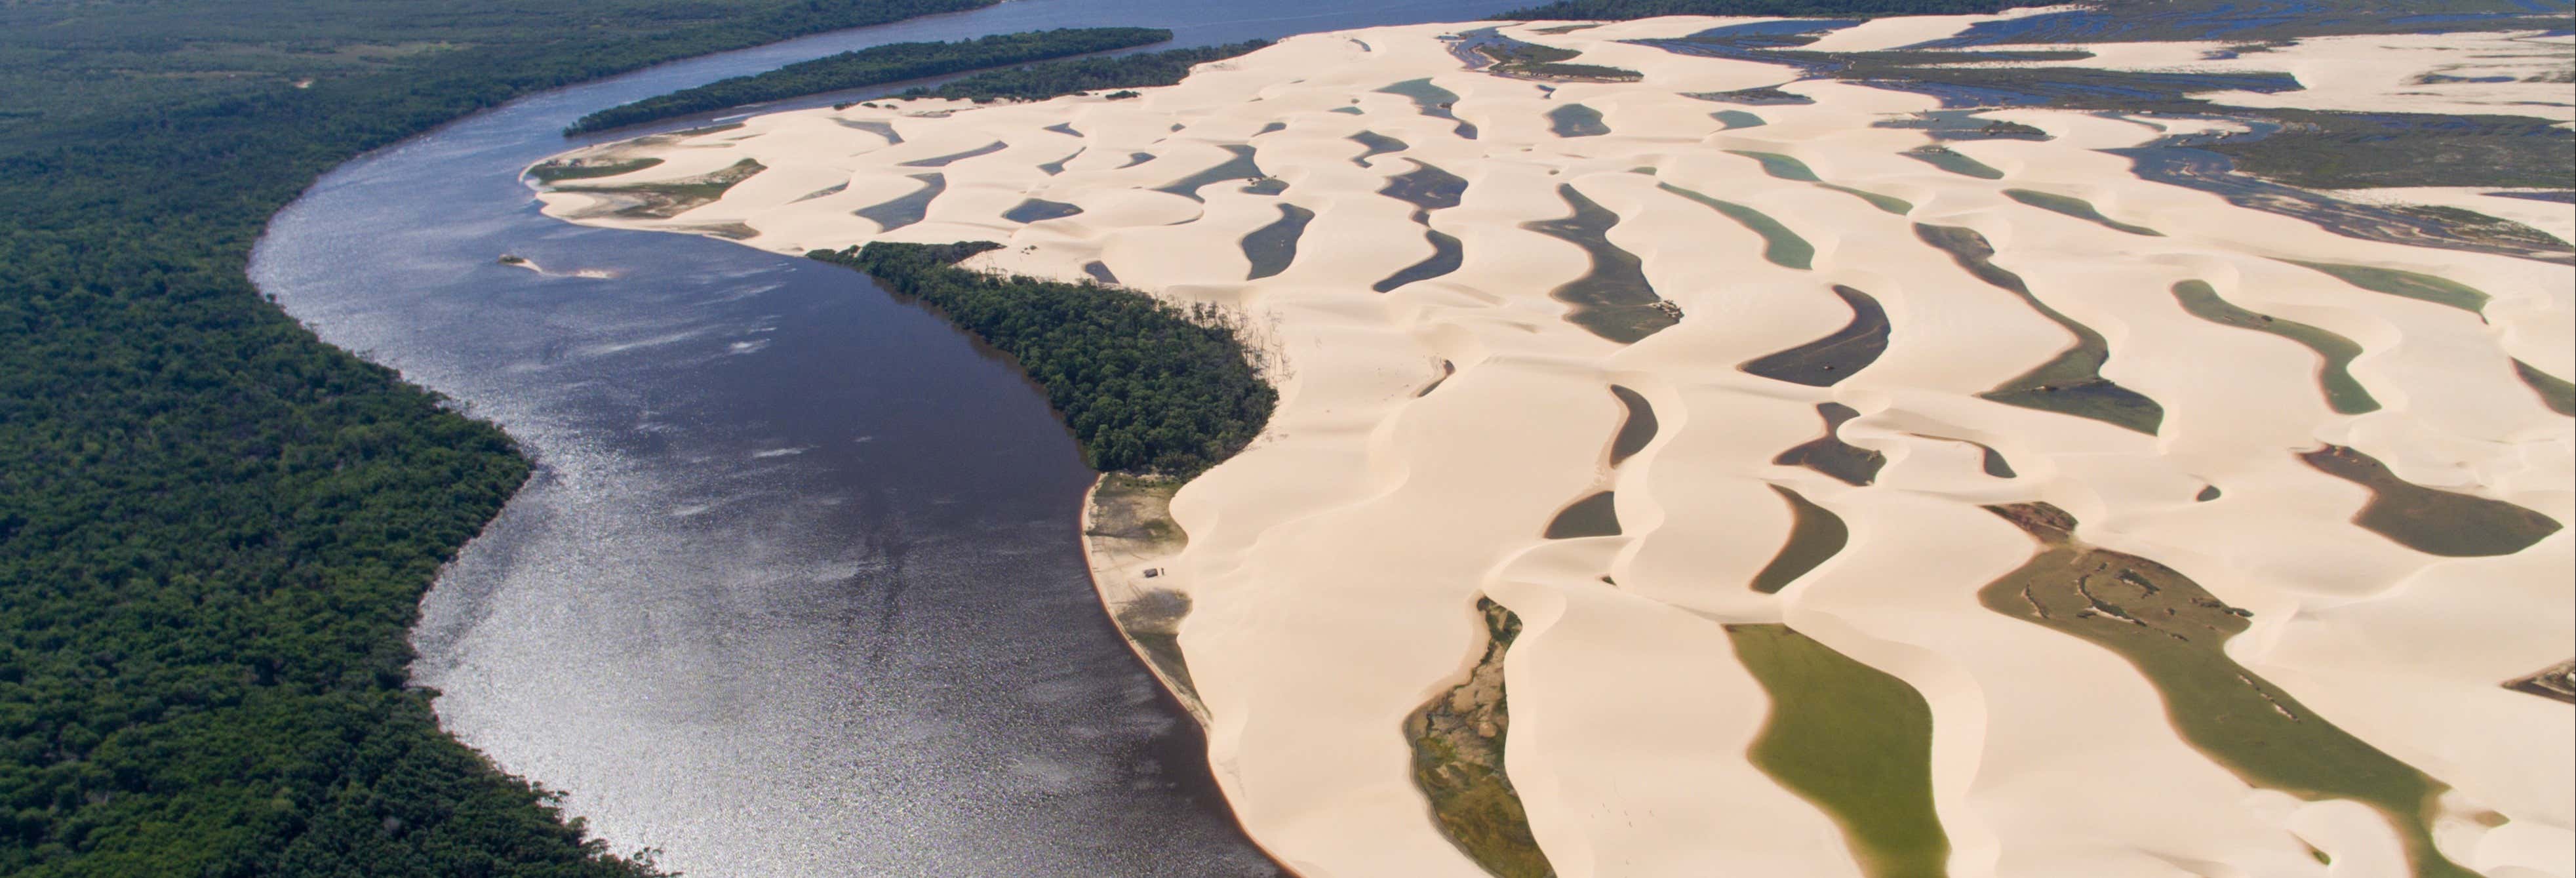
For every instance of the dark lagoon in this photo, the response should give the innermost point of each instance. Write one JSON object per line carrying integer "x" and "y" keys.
{"x": 796, "y": 589}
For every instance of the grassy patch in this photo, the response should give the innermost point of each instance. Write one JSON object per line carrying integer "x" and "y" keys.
{"x": 559, "y": 170}
{"x": 1458, "y": 761}
{"x": 1855, "y": 741}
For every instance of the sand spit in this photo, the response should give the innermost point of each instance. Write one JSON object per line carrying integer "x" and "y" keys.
{"x": 1429, "y": 435}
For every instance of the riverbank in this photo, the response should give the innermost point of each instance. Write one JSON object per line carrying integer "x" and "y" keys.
{"x": 2043, "y": 347}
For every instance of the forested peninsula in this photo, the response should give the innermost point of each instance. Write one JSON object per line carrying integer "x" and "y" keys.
{"x": 1037, "y": 82}
{"x": 875, "y": 65}
{"x": 1625, "y": 10}
{"x": 1145, "y": 386}
{"x": 215, "y": 529}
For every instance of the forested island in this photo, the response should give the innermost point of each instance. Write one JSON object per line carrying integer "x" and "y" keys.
{"x": 215, "y": 530}
{"x": 1145, "y": 386}
{"x": 875, "y": 65}
{"x": 1037, "y": 82}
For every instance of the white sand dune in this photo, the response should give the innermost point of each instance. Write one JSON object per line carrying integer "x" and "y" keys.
{"x": 1333, "y": 567}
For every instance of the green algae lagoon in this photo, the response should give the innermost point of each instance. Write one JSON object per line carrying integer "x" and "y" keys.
{"x": 1855, "y": 741}
{"x": 1828, "y": 360}
{"x": 1829, "y": 454}
{"x": 1272, "y": 247}
{"x": 1815, "y": 534}
{"x": 2176, "y": 633}
{"x": 2555, "y": 392}
{"x": 1735, "y": 119}
{"x": 1458, "y": 760}
{"x": 1780, "y": 166}
{"x": 2429, "y": 520}
{"x": 2070, "y": 383}
{"x": 1888, "y": 203}
{"x": 1780, "y": 246}
{"x": 1953, "y": 161}
{"x": 1612, "y": 300}
{"x": 2343, "y": 394}
{"x": 2077, "y": 208}
{"x": 2407, "y": 284}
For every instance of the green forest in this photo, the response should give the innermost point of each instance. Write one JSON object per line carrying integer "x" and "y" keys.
{"x": 1145, "y": 386}
{"x": 215, "y": 529}
{"x": 875, "y": 65}
{"x": 1037, "y": 82}
{"x": 1623, "y": 10}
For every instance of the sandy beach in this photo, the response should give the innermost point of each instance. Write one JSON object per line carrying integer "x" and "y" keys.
{"x": 1428, "y": 437}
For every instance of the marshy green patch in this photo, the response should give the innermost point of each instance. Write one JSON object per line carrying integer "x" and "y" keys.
{"x": 1240, "y": 167}
{"x": 2070, "y": 383}
{"x": 1828, "y": 360}
{"x": 1272, "y": 247}
{"x": 2430, "y": 520}
{"x": 1829, "y": 454}
{"x": 1636, "y": 430}
{"x": 669, "y": 198}
{"x": 2342, "y": 393}
{"x": 2175, "y": 633}
{"x": 1815, "y": 534}
{"x": 909, "y": 208}
{"x": 1039, "y": 209}
{"x": 1612, "y": 300}
{"x": 1593, "y": 516}
{"x": 1855, "y": 741}
{"x": 2555, "y": 392}
{"x": 1576, "y": 120}
{"x": 1779, "y": 245}
{"x": 2409, "y": 284}
{"x": 559, "y": 170}
{"x": 1781, "y": 166}
{"x": 1953, "y": 161}
{"x": 1458, "y": 760}
{"x": 2077, "y": 208}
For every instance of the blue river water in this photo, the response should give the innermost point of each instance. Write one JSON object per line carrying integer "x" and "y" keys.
{"x": 796, "y": 589}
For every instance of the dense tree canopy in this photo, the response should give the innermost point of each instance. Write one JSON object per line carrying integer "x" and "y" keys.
{"x": 215, "y": 529}
{"x": 875, "y": 65}
{"x": 1145, "y": 386}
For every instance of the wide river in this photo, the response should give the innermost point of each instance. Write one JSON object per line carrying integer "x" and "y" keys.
{"x": 796, "y": 588}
